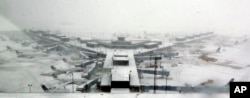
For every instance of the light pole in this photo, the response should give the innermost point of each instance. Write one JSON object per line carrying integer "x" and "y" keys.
{"x": 155, "y": 73}
{"x": 30, "y": 85}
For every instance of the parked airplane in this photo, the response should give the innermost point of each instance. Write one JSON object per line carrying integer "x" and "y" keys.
{"x": 79, "y": 63}
{"x": 29, "y": 54}
{"x": 54, "y": 73}
{"x": 75, "y": 69}
{"x": 57, "y": 72}
{"x": 77, "y": 81}
{"x": 55, "y": 89}
{"x": 84, "y": 64}
{"x": 209, "y": 89}
{"x": 59, "y": 86}
{"x": 89, "y": 54}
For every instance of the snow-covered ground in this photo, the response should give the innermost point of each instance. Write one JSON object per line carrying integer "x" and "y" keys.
{"x": 190, "y": 70}
{"x": 17, "y": 72}
{"x": 105, "y": 95}
{"x": 232, "y": 62}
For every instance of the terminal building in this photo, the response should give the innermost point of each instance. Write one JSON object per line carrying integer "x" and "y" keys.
{"x": 121, "y": 42}
{"x": 120, "y": 72}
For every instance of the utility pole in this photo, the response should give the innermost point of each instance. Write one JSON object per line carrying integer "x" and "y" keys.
{"x": 166, "y": 83}
{"x": 155, "y": 75}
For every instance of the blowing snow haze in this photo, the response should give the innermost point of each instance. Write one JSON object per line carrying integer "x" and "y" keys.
{"x": 130, "y": 16}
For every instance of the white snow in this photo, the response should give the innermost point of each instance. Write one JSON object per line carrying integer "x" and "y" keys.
{"x": 194, "y": 71}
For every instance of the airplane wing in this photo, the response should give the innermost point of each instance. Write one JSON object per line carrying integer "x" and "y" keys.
{"x": 55, "y": 87}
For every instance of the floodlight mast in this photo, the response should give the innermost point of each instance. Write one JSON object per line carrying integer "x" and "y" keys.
{"x": 30, "y": 85}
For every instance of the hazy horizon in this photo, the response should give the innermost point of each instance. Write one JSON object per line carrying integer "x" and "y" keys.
{"x": 229, "y": 17}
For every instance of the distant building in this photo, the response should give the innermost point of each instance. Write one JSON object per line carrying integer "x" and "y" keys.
{"x": 120, "y": 42}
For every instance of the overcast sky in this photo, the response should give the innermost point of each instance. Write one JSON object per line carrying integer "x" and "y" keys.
{"x": 131, "y": 16}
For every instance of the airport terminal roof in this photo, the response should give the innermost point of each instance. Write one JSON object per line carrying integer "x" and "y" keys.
{"x": 134, "y": 79}
{"x": 121, "y": 54}
{"x": 120, "y": 74}
{"x": 120, "y": 58}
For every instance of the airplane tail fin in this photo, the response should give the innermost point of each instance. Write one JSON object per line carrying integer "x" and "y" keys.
{"x": 53, "y": 67}
{"x": 44, "y": 87}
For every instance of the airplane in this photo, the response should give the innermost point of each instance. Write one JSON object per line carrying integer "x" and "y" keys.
{"x": 57, "y": 72}
{"x": 79, "y": 63}
{"x": 84, "y": 64}
{"x": 29, "y": 54}
{"x": 89, "y": 54}
{"x": 26, "y": 53}
{"x": 77, "y": 81}
{"x": 60, "y": 88}
{"x": 215, "y": 50}
{"x": 59, "y": 85}
{"x": 53, "y": 74}
{"x": 75, "y": 62}
{"x": 208, "y": 89}
{"x": 88, "y": 72}
{"x": 75, "y": 69}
